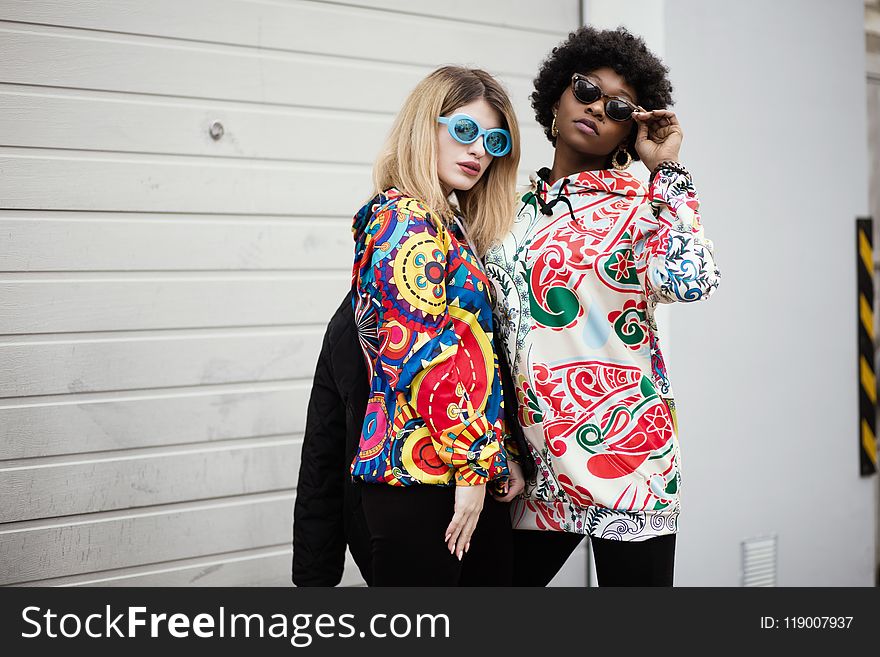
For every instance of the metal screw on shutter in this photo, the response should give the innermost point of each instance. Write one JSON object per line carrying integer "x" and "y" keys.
{"x": 216, "y": 130}
{"x": 759, "y": 561}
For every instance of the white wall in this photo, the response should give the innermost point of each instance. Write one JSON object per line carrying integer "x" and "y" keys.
{"x": 872, "y": 65}
{"x": 771, "y": 96}
{"x": 163, "y": 294}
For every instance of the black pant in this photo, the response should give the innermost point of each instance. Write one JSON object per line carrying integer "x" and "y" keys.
{"x": 407, "y": 526}
{"x": 538, "y": 556}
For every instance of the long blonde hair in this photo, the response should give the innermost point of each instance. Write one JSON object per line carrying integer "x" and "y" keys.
{"x": 408, "y": 160}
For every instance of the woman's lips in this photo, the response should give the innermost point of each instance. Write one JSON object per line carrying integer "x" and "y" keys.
{"x": 470, "y": 168}
{"x": 587, "y": 127}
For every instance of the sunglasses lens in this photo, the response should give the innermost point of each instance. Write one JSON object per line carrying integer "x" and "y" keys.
{"x": 618, "y": 110}
{"x": 585, "y": 91}
{"x": 496, "y": 143}
{"x": 466, "y": 130}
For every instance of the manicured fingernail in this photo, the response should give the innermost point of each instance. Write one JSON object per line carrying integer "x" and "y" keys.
{"x": 446, "y": 538}
{"x": 460, "y": 554}
{"x": 467, "y": 547}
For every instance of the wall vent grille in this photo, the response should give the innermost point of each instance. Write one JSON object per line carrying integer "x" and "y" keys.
{"x": 759, "y": 561}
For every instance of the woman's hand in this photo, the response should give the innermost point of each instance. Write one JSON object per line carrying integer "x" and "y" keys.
{"x": 659, "y": 137}
{"x": 514, "y": 485}
{"x": 468, "y": 504}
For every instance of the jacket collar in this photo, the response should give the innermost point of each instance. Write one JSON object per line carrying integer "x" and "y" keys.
{"x": 611, "y": 181}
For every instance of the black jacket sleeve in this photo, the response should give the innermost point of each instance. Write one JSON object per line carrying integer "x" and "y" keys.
{"x": 318, "y": 517}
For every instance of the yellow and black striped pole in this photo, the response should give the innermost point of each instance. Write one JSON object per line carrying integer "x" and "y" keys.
{"x": 867, "y": 377}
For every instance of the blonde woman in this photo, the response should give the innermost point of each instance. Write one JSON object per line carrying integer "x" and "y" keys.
{"x": 433, "y": 437}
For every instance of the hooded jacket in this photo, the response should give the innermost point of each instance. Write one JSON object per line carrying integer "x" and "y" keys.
{"x": 588, "y": 260}
{"x": 424, "y": 320}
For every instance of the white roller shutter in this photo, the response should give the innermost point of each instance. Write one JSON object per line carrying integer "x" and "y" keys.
{"x": 162, "y": 292}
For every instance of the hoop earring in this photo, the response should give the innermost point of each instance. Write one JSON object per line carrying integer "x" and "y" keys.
{"x": 554, "y": 131}
{"x": 614, "y": 158}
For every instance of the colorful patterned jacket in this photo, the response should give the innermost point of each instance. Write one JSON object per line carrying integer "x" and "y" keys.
{"x": 435, "y": 413}
{"x": 578, "y": 280}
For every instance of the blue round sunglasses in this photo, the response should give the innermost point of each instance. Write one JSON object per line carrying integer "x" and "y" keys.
{"x": 465, "y": 130}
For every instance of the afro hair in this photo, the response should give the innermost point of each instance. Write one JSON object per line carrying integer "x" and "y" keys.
{"x": 588, "y": 49}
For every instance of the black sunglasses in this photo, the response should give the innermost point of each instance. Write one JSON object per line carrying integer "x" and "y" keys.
{"x": 587, "y": 92}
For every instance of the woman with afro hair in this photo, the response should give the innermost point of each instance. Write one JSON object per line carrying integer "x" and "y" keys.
{"x": 592, "y": 252}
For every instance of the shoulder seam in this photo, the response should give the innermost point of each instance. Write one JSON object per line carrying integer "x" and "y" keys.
{"x": 394, "y": 204}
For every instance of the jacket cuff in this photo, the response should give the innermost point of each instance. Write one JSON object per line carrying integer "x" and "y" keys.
{"x": 469, "y": 476}
{"x": 485, "y": 461}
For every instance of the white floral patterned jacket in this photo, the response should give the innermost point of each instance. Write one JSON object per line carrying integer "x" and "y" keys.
{"x": 577, "y": 282}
